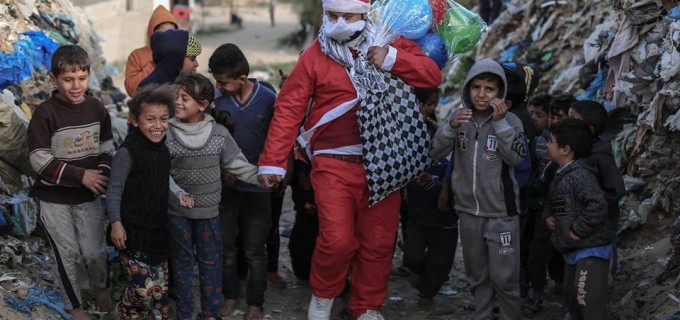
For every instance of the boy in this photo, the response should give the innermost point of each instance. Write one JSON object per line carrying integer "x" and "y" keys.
{"x": 576, "y": 213}
{"x": 140, "y": 61}
{"x": 174, "y": 51}
{"x": 559, "y": 106}
{"x": 601, "y": 158}
{"x": 71, "y": 146}
{"x": 245, "y": 207}
{"x": 487, "y": 143}
{"x": 540, "y": 114}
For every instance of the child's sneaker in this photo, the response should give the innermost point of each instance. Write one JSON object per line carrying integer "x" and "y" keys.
{"x": 371, "y": 315}
{"x": 320, "y": 308}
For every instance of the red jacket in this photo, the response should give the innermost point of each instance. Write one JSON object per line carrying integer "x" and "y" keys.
{"x": 327, "y": 84}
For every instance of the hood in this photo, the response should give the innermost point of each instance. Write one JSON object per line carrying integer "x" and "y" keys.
{"x": 522, "y": 80}
{"x": 482, "y": 66}
{"x": 169, "y": 49}
{"x": 159, "y": 16}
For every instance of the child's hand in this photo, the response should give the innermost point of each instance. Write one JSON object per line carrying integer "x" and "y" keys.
{"x": 269, "y": 181}
{"x": 423, "y": 179}
{"x": 228, "y": 178}
{"x": 186, "y": 200}
{"x": 550, "y": 223}
{"x": 499, "y": 109}
{"x": 573, "y": 236}
{"x": 461, "y": 116}
{"x": 95, "y": 181}
{"x": 118, "y": 235}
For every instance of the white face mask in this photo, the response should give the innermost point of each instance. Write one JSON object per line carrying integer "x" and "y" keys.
{"x": 341, "y": 30}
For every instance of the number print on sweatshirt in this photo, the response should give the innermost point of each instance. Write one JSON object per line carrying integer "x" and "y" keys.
{"x": 490, "y": 148}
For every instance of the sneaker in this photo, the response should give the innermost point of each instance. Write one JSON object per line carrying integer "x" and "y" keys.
{"x": 320, "y": 308}
{"x": 371, "y": 315}
{"x": 275, "y": 280}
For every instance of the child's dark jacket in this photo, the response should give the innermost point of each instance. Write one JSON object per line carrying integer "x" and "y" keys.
{"x": 578, "y": 205}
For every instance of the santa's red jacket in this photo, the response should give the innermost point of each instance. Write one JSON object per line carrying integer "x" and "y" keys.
{"x": 326, "y": 83}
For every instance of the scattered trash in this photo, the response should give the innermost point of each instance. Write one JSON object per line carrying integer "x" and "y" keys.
{"x": 396, "y": 299}
{"x": 50, "y": 298}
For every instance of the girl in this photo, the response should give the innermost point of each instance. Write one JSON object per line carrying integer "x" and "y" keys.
{"x": 137, "y": 198}
{"x": 199, "y": 149}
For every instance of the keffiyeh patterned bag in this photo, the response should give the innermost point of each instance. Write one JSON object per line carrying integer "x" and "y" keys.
{"x": 394, "y": 138}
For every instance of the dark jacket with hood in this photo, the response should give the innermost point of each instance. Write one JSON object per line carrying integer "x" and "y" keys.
{"x": 484, "y": 154}
{"x": 169, "y": 50}
{"x": 601, "y": 159}
{"x": 578, "y": 205}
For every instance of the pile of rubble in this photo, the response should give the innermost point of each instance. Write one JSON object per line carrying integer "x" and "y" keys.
{"x": 625, "y": 54}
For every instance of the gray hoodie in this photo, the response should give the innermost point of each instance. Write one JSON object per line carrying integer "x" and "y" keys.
{"x": 484, "y": 154}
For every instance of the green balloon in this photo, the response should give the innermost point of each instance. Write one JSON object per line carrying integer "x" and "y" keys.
{"x": 460, "y": 29}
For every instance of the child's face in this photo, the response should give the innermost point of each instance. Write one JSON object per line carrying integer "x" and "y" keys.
{"x": 153, "y": 121}
{"x": 187, "y": 108}
{"x": 559, "y": 155}
{"x": 574, "y": 115}
{"x": 557, "y": 116}
{"x": 190, "y": 64}
{"x": 429, "y": 106}
{"x": 540, "y": 117}
{"x": 481, "y": 94}
{"x": 72, "y": 85}
{"x": 228, "y": 85}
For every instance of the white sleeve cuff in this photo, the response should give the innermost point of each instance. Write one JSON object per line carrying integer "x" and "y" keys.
{"x": 390, "y": 59}
{"x": 271, "y": 170}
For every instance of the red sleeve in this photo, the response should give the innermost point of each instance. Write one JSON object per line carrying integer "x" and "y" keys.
{"x": 289, "y": 112}
{"x": 414, "y": 67}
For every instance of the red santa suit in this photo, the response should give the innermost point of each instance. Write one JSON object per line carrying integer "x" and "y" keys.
{"x": 351, "y": 235}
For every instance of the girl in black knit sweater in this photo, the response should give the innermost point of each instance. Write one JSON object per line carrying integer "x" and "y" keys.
{"x": 137, "y": 199}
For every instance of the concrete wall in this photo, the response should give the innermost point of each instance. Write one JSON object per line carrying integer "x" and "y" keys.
{"x": 121, "y": 24}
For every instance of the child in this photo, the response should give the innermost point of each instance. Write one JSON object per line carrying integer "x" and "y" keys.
{"x": 577, "y": 214}
{"x": 70, "y": 146}
{"x": 431, "y": 234}
{"x": 199, "y": 149}
{"x": 174, "y": 51}
{"x": 559, "y": 106}
{"x": 306, "y": 228}
{"x": 140, "y": 61}
{"x": 245, "y": 206}
{"x": 601, "y": 157}
{"x": 137, "y": 198}
{"x": 540, "y": 114}
{"x": 487, "y": 143}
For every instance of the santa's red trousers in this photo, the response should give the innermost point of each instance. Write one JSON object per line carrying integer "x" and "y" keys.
{"x": 351, "y": 235}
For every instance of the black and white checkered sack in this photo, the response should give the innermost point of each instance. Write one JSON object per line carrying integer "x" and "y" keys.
{"x": 394, "y": 138}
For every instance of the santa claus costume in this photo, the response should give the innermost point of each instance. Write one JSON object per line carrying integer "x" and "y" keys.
{"x": 352, "y": 236}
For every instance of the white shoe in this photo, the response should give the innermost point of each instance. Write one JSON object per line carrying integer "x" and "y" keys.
{"x": 319, "y": 308}
{"x": 371, "y": 315}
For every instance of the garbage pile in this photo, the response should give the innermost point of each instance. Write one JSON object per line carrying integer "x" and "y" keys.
{"x": 626, "y": 55}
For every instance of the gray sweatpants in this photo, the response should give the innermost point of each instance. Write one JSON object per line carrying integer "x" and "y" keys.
{"x": 77, "y": 236}
{"x": 491, "y": 256}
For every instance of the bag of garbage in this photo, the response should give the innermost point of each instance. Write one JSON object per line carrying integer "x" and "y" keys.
{"x": 24, "y": 212}
{"x": 14, "y": 145}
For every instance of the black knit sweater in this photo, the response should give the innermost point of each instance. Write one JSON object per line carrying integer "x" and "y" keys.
{"x": 145, "y": 199}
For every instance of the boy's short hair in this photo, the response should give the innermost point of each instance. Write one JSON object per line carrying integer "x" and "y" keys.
{"x": 593, "y": 114}
{"x": 153, "y": 94}
{"x": 541, "y": 101}
{"x": 422, "y": 94}
{"x": 69, "y": 58}
{"x": 561, "y": 101}
{"x": 575, "y": 134}
{"x": 491, "y": 77}
{"x": 229, "y": 59}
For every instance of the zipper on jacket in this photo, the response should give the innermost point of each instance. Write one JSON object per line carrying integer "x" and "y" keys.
{"x": 474, "y": 169}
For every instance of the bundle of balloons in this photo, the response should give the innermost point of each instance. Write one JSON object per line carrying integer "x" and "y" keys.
{"x": 442, "y": 28}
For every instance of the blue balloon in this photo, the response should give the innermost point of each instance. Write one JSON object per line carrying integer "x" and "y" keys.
{"x": 434, "y": 47}
{"x": 409, "y": 18}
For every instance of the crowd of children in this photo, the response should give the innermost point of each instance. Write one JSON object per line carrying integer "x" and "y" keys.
{"x": 528, "y": 183}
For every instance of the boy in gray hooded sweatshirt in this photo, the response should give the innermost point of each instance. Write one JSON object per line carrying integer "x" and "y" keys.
{"x": 487, "y": 142}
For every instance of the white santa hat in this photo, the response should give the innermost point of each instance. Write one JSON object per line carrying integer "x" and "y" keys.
{"x": 346, "y": 6}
